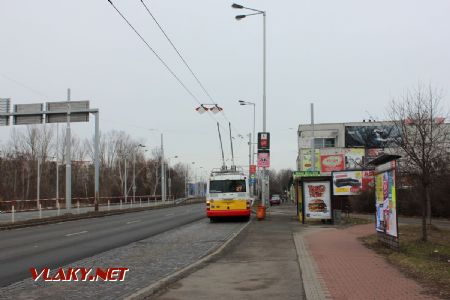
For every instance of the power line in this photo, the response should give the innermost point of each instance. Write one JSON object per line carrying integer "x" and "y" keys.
{"x": 160, "y": 59}
{"x": 154, "y": 52}
{"x": 184, "y": 60}
{"x": 177, "y": 51}
{"x": 24, "y": 86}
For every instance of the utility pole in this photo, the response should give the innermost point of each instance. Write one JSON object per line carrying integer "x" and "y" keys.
{"x": 38, "y": 192}
{"x": 125, "y": 181}
{"x": 169, "y": 180}
{"x": 96, "y": 157}
{"x": 68, "y": 160}
{"x": 57, "y": 161}
{"x": 313, "y": 146}
{"x": 134, "y": 176}
{"x": 185, "y": 181}
{"x": 249, "y": 149}
{"x": 163, "y": 172}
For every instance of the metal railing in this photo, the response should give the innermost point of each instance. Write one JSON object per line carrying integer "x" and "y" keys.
{"x": 53, "y": 203}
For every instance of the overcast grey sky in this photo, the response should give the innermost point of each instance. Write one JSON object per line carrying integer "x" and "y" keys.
{"x": 349, "y": 57}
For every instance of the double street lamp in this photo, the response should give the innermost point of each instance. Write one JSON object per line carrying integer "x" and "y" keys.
{"x": 263, "y": 13}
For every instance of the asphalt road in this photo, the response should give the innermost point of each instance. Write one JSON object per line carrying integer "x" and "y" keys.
{"x": 58, "y": 244}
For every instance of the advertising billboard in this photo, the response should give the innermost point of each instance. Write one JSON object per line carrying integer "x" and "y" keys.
{"x": 317, "y": 199}
{"x": 330, "y": 163}
{"x": 347, "y": 183}
{"x": 354, "y": 158}
{"x": 368, "y": 181}
{"x": 306, "y": 160}
{"x": 332, "y": 159}
{"x": 385, "y": 195}
{"x": 378, "y": 136}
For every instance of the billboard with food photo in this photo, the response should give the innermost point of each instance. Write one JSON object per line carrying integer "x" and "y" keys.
{"x": 317, "y": 199}
{"x": 385, "y": 195}
{"x": 330, "y": 163}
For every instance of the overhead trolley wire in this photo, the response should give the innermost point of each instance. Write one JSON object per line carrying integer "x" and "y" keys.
{"x": 154, "y": 52}
{"x": 159, "y": 57}
{"x": 176, "y": 50}
{"x": 184, "y": 60}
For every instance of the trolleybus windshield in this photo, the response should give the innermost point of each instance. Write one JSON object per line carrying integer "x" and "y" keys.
{"x": 227, "y": 186}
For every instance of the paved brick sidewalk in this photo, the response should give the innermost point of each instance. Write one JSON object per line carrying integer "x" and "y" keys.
{"x": 351, "y": 271}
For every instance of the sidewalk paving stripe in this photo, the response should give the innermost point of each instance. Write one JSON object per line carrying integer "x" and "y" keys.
{"x": 313, "y": 283}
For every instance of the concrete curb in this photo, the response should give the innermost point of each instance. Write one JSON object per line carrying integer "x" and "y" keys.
{"x": 313, "y": 284}
{"x": 156, "y": 287}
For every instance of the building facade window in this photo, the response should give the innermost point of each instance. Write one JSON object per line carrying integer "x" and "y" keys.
{"x": 324, "y": 143}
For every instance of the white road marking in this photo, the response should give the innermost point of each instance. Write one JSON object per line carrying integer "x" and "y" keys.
{"x": 135, "y": 221}
{"x": 76, "y": 233}
{"x": 171, "y": 214}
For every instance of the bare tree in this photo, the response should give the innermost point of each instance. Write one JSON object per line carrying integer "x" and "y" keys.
{"x": 419, "y": 118}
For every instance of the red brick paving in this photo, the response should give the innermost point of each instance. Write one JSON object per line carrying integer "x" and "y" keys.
{"x": 352, "y": 271}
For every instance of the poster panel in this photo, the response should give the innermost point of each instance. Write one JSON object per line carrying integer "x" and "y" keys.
{"x": 347, "y": 183}
{"x": 386, "y": 206}
{"x": 330, "y": 163}
{"x": 306, "y": 162}
{"x": 378, "y": 136}
{"x": 368, "y": 181}
{"x": 354, "y": 158}
{"x": 317, "y": 199}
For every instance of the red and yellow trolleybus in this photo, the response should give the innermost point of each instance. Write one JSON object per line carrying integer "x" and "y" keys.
{"x": 228, "y": 194}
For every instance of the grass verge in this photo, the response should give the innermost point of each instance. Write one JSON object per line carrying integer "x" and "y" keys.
{"x": 427, "y": 262}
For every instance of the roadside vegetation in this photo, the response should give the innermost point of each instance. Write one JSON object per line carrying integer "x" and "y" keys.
{"x": 427, "y": 262}
{"x": 20, "y": 155}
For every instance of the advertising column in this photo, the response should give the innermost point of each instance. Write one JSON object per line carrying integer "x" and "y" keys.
{"x": 386, "y": 200}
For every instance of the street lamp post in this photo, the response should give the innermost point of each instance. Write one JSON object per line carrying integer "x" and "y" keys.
{"x": 169, "y": 178}
{"x": 38, "y": 184}
{"x": 134, "y": 172}
{"x": 263, "y": 13}
{"x": 265, "y": 184}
